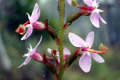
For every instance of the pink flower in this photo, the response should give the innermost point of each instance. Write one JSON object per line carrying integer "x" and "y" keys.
{"x": 32, "y": 54}
{"x": 95, "y": 16}
{"x": 32, "y": 19}
{"x": 65, "y": 52}
{"x": 85, "y": 60}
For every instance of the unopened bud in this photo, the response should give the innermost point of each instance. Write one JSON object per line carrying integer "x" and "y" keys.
{"x": 38, "y": 26}
{"x": 73, "y": 17}
{"x": 101, "y": 47}
{"x": 74, "y": 3}
{"x": 36, "y": 56}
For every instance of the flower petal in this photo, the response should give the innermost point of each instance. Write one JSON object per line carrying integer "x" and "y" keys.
{"x": 102, "y": 19}
{"x": 27, "y": 60}
{"x": 49, "y": 50}
{"x": 95, "y": 1}
{"x": 69, "y": 1}
{"x": 36, "y": 17}
{"x": 88, "y": 2}
{"x": 58, "y": 58}
{"x": 35, "y": 13}
{"x": 76, "y": 40}
{"x": 30, "y": 19}
{"x": 66, "y": 51}
{"x": 90, "y": 39}
{"x": 28, "y": 33}
{"x": 97, "y": 58}
{"x": 94, "y": 17}
{"x": 85, "y": 63}
{"x": 38, "y": 44}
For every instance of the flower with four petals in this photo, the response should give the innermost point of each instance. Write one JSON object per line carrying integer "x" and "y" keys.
{"x": 85, "y": 60}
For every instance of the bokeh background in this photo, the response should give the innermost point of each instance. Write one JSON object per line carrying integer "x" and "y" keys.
{"x": 13, "y": 13}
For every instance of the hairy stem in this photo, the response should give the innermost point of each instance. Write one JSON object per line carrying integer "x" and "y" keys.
{"x": 61, "y": 5}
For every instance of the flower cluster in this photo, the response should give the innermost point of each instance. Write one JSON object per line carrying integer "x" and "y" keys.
{"x": 83, "y": 48}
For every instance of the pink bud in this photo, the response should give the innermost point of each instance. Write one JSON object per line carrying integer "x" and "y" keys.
{"x": 36, "y": 56}
{"x": 38, "y": 26}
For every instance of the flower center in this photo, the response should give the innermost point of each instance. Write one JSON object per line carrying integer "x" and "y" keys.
{"x": 95, "y": 5}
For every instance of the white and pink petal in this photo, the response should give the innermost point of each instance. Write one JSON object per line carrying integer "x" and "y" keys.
{"x": 90, "y": 38}
{"x": 38, "y": 43}
{"x": 27, "y": 60}
{"x": 102, "y": 19}
{"x": 76, "y": 40}
{"x": 88, "y": 2}
{"x": 94, "y": 17}
{"x": 49, "y": 51}
{"x": 97, "y": 58}
{"x": 28, "y": 32}
{"x": 85, "y": 63}
{"x": 35, "y": 10}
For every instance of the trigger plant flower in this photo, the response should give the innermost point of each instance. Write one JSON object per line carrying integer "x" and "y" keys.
{"x": 65, "y": 53}
{"x": 32, "y": 54}
{"x": 31, "y": 23}
{"x": 85, "y": 60}
{"x": 95, "y": 12}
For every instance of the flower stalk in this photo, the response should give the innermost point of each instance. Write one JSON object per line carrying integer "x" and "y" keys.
{"x": 61, "y": 5}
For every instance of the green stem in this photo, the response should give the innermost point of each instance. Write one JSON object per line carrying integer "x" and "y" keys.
{"x": 61, "y": 34}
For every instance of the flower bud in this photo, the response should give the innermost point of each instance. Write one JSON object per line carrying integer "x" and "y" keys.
{"x": 101, "y": 47}
{"x": 36, "y": 56}
{"x": 74, "y": 3}
{"x": 38, "y": 26}
{"x": 76, "y": 15}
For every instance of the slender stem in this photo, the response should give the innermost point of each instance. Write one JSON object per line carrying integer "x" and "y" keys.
{"x": 61, "y": 34}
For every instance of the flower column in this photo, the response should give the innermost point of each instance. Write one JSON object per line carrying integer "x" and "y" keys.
{"x": 61, "y": 5}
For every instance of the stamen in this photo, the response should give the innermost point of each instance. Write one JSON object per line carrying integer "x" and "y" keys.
{"x": 96, "y": 51}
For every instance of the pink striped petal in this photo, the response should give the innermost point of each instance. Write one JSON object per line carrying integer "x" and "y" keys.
{"x": 66, "y": 51}
{"x": 27, "y": 60}
{"x": 97, "y": 58}
{"x": 94, "y": 17}
{"x": 88, "y": 2}
{"x": 102, "y": 19}
{"x": 69, "y": 1}
{"x": 85, "y": 63}
{"x": 36, "y": 17}
{"x": 90, "y": 39}
{"x": 35, "y": 10}
{"x": 76, "y": 40}
{"x": 28, "y": 33}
